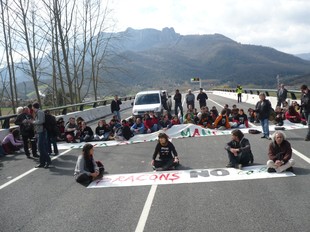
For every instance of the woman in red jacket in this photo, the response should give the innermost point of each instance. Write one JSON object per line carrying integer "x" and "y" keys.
{"x": 292, "y": 115}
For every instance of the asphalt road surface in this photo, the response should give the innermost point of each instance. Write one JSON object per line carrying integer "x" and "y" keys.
{"x": 50, "y": 199}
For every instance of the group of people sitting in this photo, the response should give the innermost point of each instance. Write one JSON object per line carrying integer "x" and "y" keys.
{"x": 165, "y": 156}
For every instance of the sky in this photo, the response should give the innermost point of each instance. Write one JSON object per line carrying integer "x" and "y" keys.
{"x": 280, "y": 24}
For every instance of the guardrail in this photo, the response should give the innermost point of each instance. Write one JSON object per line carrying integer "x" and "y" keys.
{"x": 63, "y": 110}
{"x": 258, "y": 91}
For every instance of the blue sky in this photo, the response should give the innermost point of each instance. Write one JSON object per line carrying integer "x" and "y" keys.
{"x": 281, "y": 24}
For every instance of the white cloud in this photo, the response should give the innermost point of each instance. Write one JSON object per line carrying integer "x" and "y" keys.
{"x": 282, "y": 24}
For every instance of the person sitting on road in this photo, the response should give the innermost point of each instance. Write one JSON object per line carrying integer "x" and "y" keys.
{"x": 239, "y": 150}
{"x": 165, "y": 123}
{"x": 11, "y": 143}
{"x": 292, "y": 115}
{"x": 214, "y": 112}
{"x": 138, "y": 127}
{"x": 279, "y": 153}
{"x": 280, "y": 116}
{"x": 253, "y": 116}
{"x": 168, "y": 156}
{"x": 149, "y": 125}
{"x": 102, "y": 131}
{"x": 87, "y": 169}
{"x": 228, "y": 110}
{"x": 154, "y": 118}
{"x": 123, "y": 132}
{"x": 241, "y": 120}
{"x": 61, "y": 129}
{"x": 234, "y": 114}
{"x": 87, "y": 133}
{"x": 175, "y": 120}
{"x": 222, "y": 122}
{"x": 188, "y": 119}
{"x": 71, "y": 131}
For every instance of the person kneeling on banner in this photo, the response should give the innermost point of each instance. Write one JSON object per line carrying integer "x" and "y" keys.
{"x": 280, "y": 154}
{"x": 87, "y": 169}
{"x": 164, "y": 149}
{"x": 239, "y": 150}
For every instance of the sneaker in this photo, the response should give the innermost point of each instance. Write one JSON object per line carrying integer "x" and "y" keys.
{"x": 271, "y": 170}
{"x": 268, "y": 138}
{"x": 263, "y": 137}
{"x": 36, "y": 156}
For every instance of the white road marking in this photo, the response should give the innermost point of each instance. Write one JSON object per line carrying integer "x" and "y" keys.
{"x": 28, "y": 172}
{"x": 300, "y": 155}
{"x": 146, "y": 209}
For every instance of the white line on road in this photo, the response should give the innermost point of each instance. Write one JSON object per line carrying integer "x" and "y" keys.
{"x": 28, "y": 172}
{"x": 146, "y": 209}
{"x": 302, "y": 156}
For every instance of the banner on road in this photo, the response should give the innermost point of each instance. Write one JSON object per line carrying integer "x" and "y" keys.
{"x": 177, "y": 131}
{"x": 186, "y": 176}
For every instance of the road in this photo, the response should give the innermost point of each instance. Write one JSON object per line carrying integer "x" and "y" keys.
{"x": 50, "y": 200}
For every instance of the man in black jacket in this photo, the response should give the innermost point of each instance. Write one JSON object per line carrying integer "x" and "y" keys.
{"x": 281, "y": 95}
{"x": 115, "y": 107}
{"x": 305, "y": 104}
{"x": 178, "y": 102}
{"x": 202, "y": 98}
{"x": 52, "y": 132}
{"x": 263, "y": 109}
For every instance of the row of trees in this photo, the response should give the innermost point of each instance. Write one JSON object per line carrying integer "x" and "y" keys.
{"x": 58, "y": 39}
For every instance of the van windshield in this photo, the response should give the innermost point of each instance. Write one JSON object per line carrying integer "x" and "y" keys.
{"x": 145, "y": 99}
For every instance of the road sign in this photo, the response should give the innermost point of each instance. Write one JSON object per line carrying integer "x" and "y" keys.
{"x": 195, "y": 79}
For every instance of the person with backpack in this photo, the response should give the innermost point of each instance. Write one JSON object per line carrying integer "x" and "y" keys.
{"x": 52, "y": 132}
{"x": 23, "y": 120}
{"x": 39, "y": 120}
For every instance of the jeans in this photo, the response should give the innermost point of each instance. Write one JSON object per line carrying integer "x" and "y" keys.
{"x": 178, "y": 105}
{"x": 117, "y": 113}
{"x": 239, "y": 97}
{"x": 51, "y": 140}
{"x": 265, "y": 126}
{"x": 42, "y": 145}
{"x": 242, "y": 158}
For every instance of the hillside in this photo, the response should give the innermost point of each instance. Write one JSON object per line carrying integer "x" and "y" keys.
{"x": 167, "y": 57}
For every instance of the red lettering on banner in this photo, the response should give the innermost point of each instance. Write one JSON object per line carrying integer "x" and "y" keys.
{"x": 104, "y": 179}
{"x": 164, "y": 176}
{"x": 196, "y": 132}
{"x": 139, "y": 178}
{"x": 130, "y": 178}
{"x": 120, "y": 178}
{"x": 153, "y": 177}
{"x": 174, "y": 176}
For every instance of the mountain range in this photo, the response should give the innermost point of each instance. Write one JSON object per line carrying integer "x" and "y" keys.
{"x": 167, "y": 58}
{"x": 150, "y": 58}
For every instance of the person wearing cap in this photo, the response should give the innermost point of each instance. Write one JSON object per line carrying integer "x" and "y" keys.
{"x": 39, "y": 120}
{"x": 168, "y": 156}
{"x": 202, "y": 98}
{"x": 190, "y": 99}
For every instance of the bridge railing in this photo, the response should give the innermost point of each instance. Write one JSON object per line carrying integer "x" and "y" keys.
{"x": 292, "y": 94}
{"x": 5, "y": 121}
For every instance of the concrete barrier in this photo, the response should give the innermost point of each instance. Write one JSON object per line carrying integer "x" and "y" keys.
{"x": 250, "y": 98}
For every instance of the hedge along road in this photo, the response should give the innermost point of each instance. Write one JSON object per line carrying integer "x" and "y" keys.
{"x": 50, "y": 200}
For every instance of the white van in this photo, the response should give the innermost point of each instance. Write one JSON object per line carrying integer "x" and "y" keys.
{"x": 147, "y": 101}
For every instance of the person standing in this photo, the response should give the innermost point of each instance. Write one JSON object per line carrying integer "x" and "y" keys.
{"x": 178, "y": 103}
{"x": 279, "y": 153}
{"x": 24, "y": 119}
{"x": 190, "y": 99}
{"x": 281, "y": 95}
{"x": 52, "y": 132}
{"x": 263, "y": 109}
{"x": 305, "y": 105}
{"x": 202, "y": 98}
{"x": 115, "y": 107}
{"x": 239, "y": 93}
{"x": 39, "y": 120}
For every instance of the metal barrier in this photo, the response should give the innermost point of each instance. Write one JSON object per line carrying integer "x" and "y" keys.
{"x": 63, "y": 110}
{"x": 292, "y": 93}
